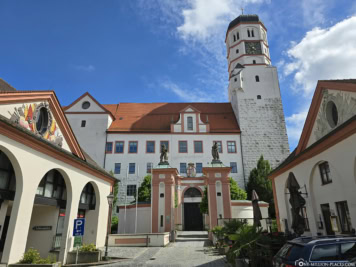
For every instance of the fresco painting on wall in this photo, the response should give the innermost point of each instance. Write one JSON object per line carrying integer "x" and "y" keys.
{"x": 38, "y": 119}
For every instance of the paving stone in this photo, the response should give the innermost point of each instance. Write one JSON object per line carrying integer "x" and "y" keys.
{"x": 190, "y": 249}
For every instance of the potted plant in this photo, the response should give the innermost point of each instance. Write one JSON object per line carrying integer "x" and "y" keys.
{"x": 32, "y": 256}
{"x": 218, "y": 236}
{"x": 244, "y": 247}
{"x": 86, "y": 254}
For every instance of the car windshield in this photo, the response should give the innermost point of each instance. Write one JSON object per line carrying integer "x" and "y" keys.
{"x": 290, "y": 252}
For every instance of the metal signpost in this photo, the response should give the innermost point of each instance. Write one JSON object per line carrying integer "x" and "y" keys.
{"x": 78, "y": 232}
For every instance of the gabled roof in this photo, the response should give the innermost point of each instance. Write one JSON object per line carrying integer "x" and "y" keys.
{"x": 302, "y": 152}
{"x": 105, "y": 110}
{"x": 51, "y": 98}
{"x": 341, "y": 85}
{"x": 157, "y": 117}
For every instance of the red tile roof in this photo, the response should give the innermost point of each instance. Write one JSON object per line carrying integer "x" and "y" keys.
{"x": 157, "y": 117}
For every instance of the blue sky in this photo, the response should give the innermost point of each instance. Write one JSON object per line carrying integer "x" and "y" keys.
{"x": 170, "y": 51}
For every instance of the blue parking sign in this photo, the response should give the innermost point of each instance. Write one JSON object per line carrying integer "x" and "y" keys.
{"x": 78, "y": 229}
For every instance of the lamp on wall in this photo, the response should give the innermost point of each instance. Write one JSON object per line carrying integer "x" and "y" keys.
{"x": 110, "y": 198}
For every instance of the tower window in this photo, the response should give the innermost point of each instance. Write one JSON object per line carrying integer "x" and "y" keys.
{"x": 235, "y": 80}
{"x": 237, "y": 35}
{"x": 259, "y": 97}
{"x": 257, "y": 78}
{"x": 84, "y": 123}
{"x": 237, "y": 51}
{"x": 252, "y": 33}
{"x": 248, "y": 33}
{"x": 254, "y": 61}
{"x": 234, "y": 38}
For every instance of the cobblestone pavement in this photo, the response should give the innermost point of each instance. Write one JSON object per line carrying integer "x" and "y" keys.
{"x": 190, "y": 249}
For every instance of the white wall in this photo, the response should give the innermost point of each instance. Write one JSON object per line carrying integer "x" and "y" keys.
{"x": 92, "y": 137}
{"x": 143, "y": 220}
{"x": 42, "y": 239}
{"x": 341, "y": 158}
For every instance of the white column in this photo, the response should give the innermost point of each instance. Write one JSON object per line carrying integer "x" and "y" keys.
{"x": 71, "y": 214}
{"x": 19, "y": 224}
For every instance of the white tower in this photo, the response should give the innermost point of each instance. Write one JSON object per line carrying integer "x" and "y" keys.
{"x": 254, "y": 93}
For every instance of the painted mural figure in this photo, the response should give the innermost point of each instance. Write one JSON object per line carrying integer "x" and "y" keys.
{"x": 164, "y": 154}
{"x": 27, "y": 116}
{"x": 215, "y": 152}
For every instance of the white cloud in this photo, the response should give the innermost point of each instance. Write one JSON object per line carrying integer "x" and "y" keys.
{"x": 188, "y": 95}
{"x": 87, "y": 68}
{"x": 323, "y": 54}
{"x": 314, "y": 11}
{"x": 295, "y": 124}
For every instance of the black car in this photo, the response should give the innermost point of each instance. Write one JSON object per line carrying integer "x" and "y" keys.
{"x": 303, "y": 250}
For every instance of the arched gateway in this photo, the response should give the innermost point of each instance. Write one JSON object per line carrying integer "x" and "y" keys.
{"x": 193, "y": 219}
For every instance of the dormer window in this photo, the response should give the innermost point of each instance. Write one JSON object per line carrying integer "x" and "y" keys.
{"x": 190, "y": 123}
{"x": 86, "y": 105}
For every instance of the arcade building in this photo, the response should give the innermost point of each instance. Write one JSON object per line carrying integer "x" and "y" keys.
{"x": 46, "y": 179}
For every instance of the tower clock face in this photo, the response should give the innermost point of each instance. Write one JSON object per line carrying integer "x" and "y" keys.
{"x": 253, "y": 48}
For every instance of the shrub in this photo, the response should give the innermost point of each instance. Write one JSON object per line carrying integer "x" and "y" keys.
{"x": 232, "y": 226}
{"x": 32, "y": 256}
{"x": 88, "y": 248}
{"x": 114, "y": 223}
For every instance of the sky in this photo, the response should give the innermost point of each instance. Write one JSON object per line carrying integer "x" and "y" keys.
{"x": 171, "y": 51}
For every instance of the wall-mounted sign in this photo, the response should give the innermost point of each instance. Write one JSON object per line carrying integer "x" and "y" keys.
{"x": 42, "y": 228}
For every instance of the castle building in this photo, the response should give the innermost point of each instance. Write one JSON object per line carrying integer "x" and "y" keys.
{"x": 126, "y": 137}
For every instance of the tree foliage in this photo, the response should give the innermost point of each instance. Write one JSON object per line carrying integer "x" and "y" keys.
{"x": 144, "y": 191}
{"x": 204, "y": 206}
{"x": 258, "y": 181}
{"x": 236, "y": 192}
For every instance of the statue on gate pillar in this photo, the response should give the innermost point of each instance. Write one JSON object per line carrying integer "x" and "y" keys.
{"x": 164, "y": 156}
{"x": 215, "y": 153}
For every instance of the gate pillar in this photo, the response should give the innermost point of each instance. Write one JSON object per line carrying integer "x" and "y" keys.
{"x": 219, "y": 199}
{"x": 163, "y": 190}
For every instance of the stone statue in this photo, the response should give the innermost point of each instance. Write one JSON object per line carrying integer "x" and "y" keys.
{"x": 164, "y": 155}
{"x": 215, "y": 152}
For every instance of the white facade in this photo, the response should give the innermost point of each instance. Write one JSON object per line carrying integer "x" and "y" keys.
{"x": 96, "y": 120}
{"x": 324, "y": 163}
{"x": 254, "y": 93}
{"x": 142, "y": 158}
